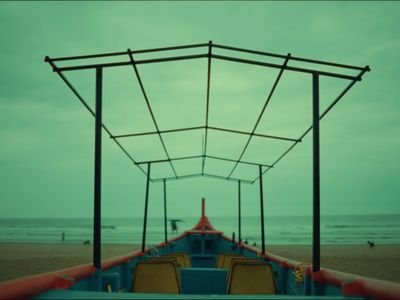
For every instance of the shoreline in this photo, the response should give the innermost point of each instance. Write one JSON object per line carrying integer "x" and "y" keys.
{"x": 381, "y": 262}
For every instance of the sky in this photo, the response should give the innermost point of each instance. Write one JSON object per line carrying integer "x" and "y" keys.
{"x": 47, "y": 136}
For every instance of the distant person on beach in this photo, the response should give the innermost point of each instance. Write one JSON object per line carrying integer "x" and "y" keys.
{"x": 371, "y": 244}
{"x": 63, "y": 236}
{"x": 174, "y": 225}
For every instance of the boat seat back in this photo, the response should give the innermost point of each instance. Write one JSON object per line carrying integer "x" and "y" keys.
{"x": 240, "y": 259}
{"x": 163, "y": 258}
{"x": 182, "y": 259}
{"x": 156, "y": 276}
{"x": 251, "y": 278}
{"x": 224, "y": 260}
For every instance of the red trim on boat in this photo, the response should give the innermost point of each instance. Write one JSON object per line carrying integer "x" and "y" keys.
{"x": 109, "y": 263}
{"x": 27, "y": 287}
{"x": 354, "y": 285}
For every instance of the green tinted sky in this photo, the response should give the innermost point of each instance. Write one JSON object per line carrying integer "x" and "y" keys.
{"x": 46, "y": 152}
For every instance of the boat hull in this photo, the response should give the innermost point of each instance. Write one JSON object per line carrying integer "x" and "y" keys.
{"x": 200, "y": 281}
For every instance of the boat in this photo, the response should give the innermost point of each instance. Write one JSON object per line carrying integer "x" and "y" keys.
{"x": 202, "y": 262}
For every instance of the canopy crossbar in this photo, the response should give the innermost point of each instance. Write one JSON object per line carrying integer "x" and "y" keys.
{"x": 194, "y": 175}
{"x": 203, "y": 156}
{"x": 139, "y": 79}
{"x": 206, "y": 127}
{"x": 183, "y": 47}
{"x": 261, "y": 114}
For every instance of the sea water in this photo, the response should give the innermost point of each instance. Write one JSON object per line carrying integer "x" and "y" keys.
{"x": 279, "y": 230}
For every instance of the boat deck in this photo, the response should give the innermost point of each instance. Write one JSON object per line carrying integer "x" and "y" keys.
{"x": 68, "y": 294}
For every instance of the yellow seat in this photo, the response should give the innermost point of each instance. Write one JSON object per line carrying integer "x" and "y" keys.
{"x": 163, "y": 258}
{"x": 156, "y": 276}
{"x": 240, "y": 259}
{"x": 251, "y": 278}
{"x": 224, "y": 260}
{"x": 182, "y": 259}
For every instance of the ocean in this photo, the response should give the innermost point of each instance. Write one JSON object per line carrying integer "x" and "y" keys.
{"x": 279, "y": 230}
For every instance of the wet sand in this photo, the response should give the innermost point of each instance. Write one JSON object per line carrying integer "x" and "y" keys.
{"x": 17, "y": 260}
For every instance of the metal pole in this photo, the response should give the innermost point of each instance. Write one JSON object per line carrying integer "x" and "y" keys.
{"x": 165, "y": 210}
{"x": 262, "y": 212}
{"x": 97, "y": 172}
{"x": 145, "y": 208}
{"x": 316, "y": 176}
{"x": 207, "y": 105}
{"x": 239, "y": 214}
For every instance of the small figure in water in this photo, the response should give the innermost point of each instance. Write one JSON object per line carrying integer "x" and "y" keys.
{"x": 246, "y": 241}
{"x": 63, "y": 236}
{"x": 174, "y": 225}
{"x": 371, "y": 244}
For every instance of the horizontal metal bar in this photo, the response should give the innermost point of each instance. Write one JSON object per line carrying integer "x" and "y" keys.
{"x": 177, "y": 178}
{"x": 255, "y": 134}
{"x": 276, "y": 66}
{"x": 201, "y": 175}
{"x": 168, "y": 160}
{"x": 314, "y": 61}
{"x": 197, "y": 56}
{"x": 89, "y": 56}
{"x": 157, "y": 132}
{"x": 226, "y": 178}
{"x": 202, "y": 127}
{"x": 236, "y": 161}
{"x": 128, "y": 63}
{"x": 201, "y": 156}
{"x": 263, "y": 53}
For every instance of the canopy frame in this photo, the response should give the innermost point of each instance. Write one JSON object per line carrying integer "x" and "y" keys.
{"x": 312, "y": 70}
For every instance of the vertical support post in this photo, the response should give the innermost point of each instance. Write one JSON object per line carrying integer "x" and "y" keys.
{"x": 165, "y": 210}
{"x": 207, "y": 105}
{"x": 316, "y": 175}
{"x": 203, "y": 208}
{"x": 262, "y": 211}
{"x": 203, "y": 226}
{"x": 203, "y": 213}
{"x": 239, "y": 214}
{"x": 97, "y": 172}
{"x": 146, "y": 205}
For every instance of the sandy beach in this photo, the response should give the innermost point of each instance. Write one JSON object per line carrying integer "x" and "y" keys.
{"x": 19, "y": 260}
{"x": 381, "y": 262}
